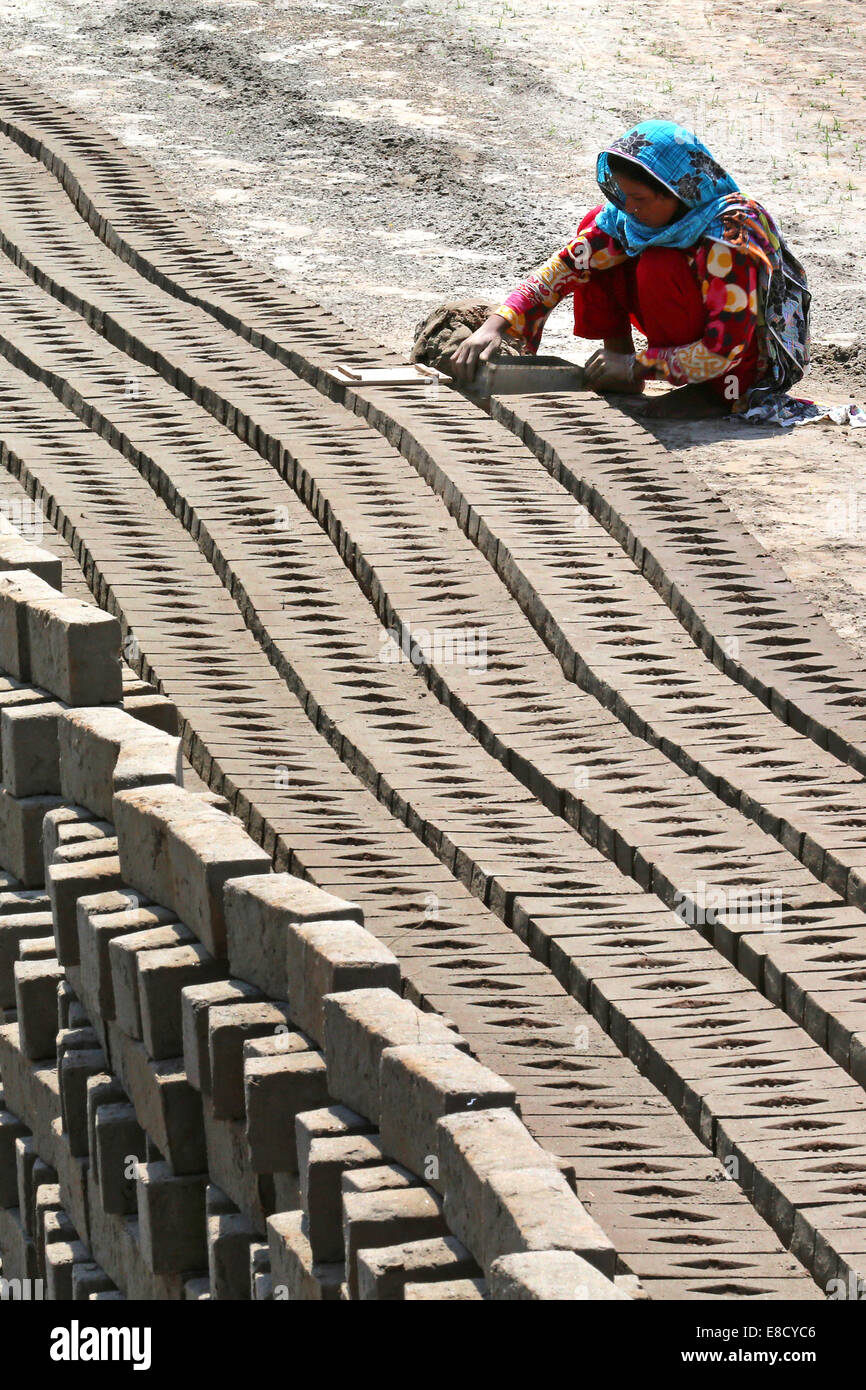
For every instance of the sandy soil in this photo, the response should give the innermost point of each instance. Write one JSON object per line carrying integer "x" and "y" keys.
{"x": 388, "y": 156}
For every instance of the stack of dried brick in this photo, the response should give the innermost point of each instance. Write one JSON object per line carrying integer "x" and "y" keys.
{"x": 213, "y": 1086}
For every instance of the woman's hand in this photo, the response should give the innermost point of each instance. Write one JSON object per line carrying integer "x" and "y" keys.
{"x": 478, "y": 347}
{"x": 614, "y": 371}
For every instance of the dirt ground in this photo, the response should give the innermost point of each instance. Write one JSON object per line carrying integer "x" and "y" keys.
{"x": 386, "y": 156}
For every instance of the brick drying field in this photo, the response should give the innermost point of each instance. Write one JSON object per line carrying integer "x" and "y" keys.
{"x": 432, "y": 830}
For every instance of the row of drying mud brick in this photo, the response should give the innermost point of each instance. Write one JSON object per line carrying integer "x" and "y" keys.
{"x": 212, "y": 1085}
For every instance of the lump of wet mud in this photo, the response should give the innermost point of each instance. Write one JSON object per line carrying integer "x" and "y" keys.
{"x": 439, "y": 336}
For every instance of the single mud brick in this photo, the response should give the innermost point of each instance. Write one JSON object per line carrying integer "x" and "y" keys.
{"x": 183, "y": 851}
{"x": 162, "y": 975}
{"x": 229, "y": 1237}
{"x": 36, "y": 1002}
{"x": 21, "y": 835}
{"x": 375, "y": 1179}
{"x": 205, "y": 852}
{"x": 69, "y": 882}
{"x": 74, "y": 1069}
{"x": 141, "y": 818}
{"x": 19, "y": 553}
{"x": 155, "y": 710}
{"x": 168, "y": 1109}
{"x": 295, "y": 1275}
{"x": 40, "y": 948}
{"x": 84, "y": 859}
{"x": 29, "y": 749}
{"x": 15, "y": 928}
{"x": 102, "y": 1089}
{"x": 276, "y": 1090}
{"x": 260, "y": 910}
{"x": 196, "y": 1003}
{"x": 321, "y": 1170}
{"x": 119, "y": 1141}
{"x": 11, "y": 1128}
{"x": 171, "y": 1216}
{"x": 103, "y": 751}
{"x": 384, "y": 1273}
{"x": 358, "y": 1026}
{"x": 418, "y": 1085}
{"x": 535, "y": 1209}
{"x": 100, "y": 918}
{"x": 447, "y": 1291}
{"x": 74, "y": 650}
{"x": 17, "y": 592}
{"x": 470, "y": 1148}
{"x": 329, "y": 958}
{"x": 277, "y": 1044}
{"x": 89, "y": 1278}
{"x": 20, "y": 697}
{"x": 390, "y": 1216}
{"x": 229, "y": 1026}
{"x": 548, "y": 1275}
{"x": 60, "y": 1261}
{"x": 123, "y": 951}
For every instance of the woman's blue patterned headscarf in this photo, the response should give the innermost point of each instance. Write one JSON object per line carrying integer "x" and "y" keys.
{"x": 679, "y": 160}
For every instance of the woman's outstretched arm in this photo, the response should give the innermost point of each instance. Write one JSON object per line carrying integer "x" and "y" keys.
{"x": 525, "y": 311}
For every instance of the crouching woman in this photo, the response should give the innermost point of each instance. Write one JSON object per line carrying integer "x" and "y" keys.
{"x": 677, "y": 252}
